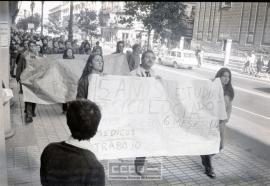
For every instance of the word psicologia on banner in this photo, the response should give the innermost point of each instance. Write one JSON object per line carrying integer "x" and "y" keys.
{"x": 150, "y": 117}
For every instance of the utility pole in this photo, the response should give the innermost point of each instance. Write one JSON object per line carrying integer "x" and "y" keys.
{"x": 42, "y": 6}
{"x": 70, "y": 30}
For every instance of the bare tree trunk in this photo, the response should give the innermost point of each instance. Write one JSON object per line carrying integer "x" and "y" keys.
{"x": 70, "y": 25}
{"x": 148, "y": 38}
{"x": 42, "y": 6}
{"x": 91, "y": 40}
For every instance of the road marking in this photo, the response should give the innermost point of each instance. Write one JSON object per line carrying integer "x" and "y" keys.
{"x": 241, "y": 89}
{"x": 244, "y": 110}
{"x": 246, "y": 77}
{"x": 236, "y": 87}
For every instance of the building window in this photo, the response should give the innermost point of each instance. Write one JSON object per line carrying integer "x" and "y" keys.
{"x": 226, "y": 4}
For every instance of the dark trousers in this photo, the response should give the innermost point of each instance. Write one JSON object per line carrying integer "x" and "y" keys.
{"x": 29, "y": 108}
{"x": 21, "y": 91}
{"x": 206, "y": 160}
{"x": 139, "y": 161}
{"x": 12, "y": 66}
{"x": 64, "y": 107}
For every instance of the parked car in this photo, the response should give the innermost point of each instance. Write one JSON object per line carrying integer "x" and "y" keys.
{"x": 179, "y": 59}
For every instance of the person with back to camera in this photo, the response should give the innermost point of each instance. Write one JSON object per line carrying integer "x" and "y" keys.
{"x": 94, "y": 65}
{"x": 70, "y": 162}
{"x": 225, "y": 76}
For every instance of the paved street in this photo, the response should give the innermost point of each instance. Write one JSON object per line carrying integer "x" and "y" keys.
{"x": 237, "y": 164}
{"x": 234, "y": 166}
{"x": 249, "y": 124}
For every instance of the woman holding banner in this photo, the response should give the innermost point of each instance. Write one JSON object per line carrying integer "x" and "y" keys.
{"x": 94, "y": 65}
{"x": 225, "y": 77}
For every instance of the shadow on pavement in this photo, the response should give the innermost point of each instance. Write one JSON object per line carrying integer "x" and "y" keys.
{"x": 265, "y": 90}
{"x": 248, "y": 144}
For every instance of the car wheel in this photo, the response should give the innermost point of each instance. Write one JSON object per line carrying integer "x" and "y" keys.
{"x": 175, "y": 64}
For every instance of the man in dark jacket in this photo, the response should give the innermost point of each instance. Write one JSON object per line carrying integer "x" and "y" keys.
{"x": 22, "y": 62}
{"x": 70, "y": 163}
{"x": 144, "y": 70}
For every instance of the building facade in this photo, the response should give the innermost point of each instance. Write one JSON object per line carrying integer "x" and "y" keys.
{"x": 61, "y": 13}
{"x": 247, "y": 24}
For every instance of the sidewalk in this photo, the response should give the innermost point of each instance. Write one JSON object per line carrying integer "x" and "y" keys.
{"x": 216, "y": 67}
{"x": 233, "y": 166}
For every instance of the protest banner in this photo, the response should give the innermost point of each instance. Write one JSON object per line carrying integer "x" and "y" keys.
{"x": 149, "y": 117}
{"x": 116, "y": 64}
{"x": 52, "y": 79}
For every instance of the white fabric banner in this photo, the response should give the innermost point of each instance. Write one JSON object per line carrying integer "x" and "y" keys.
{"x": 51, "y": 79}
{"x": 150, "y": 117}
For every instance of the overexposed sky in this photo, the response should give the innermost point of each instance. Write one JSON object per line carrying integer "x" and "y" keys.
{"x": 25, "y": 5}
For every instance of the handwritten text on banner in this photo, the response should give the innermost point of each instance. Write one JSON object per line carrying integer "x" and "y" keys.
{"x": 149, "y": 117}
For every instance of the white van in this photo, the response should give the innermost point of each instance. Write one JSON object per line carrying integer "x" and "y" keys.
{"x": 179, "y": 58}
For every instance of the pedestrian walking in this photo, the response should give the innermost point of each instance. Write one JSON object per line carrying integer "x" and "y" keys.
{"x": 133, "y": 57}
{"x": 144, "y": 70}
{"x": 27, "y": 54}
{"x": 252, "y": 65}
{"x": 268, "y": 69}
{"x": 200, "y": 59}
{"x": 245, "y": 68}
{"x": 225, "y": 77}
{"x": 260, "y": 64}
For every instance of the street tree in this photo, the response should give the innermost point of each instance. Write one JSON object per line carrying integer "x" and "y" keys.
{"x": 70, "y": 23}
{"x": 54, "y": 26}
{"x": 87, "y": 22}
{"x": 162, "y": 17}
{"x": 103, "y": 18}
{"x": 23, "y": 22}
{"x": 42, "y": 10}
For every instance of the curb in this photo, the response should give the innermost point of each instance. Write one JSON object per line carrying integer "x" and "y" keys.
{"x": 217, "y": 67}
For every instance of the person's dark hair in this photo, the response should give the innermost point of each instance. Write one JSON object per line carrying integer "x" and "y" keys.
{"x": 228, "y": 89}
{"x": 117, "y": 46}
{"x": 67, "y": 42}
{"x": 65, "y": 56}
{"x": 43, "y": 39}
{"x": 97, "y": 43}
{"x": 83, "y": 117}
{"x": 144, "y": 53}
{"x": 88, "y": 68}
{"x": 135, "y": 46}
{"x": 96, "y": 48}
{"x": 31, "y": 42}
{"x": 55, "y": 41}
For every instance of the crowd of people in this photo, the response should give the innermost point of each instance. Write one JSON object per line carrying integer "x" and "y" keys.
{"x": 254, "y": 65}
{"x": 71, "y": 162}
